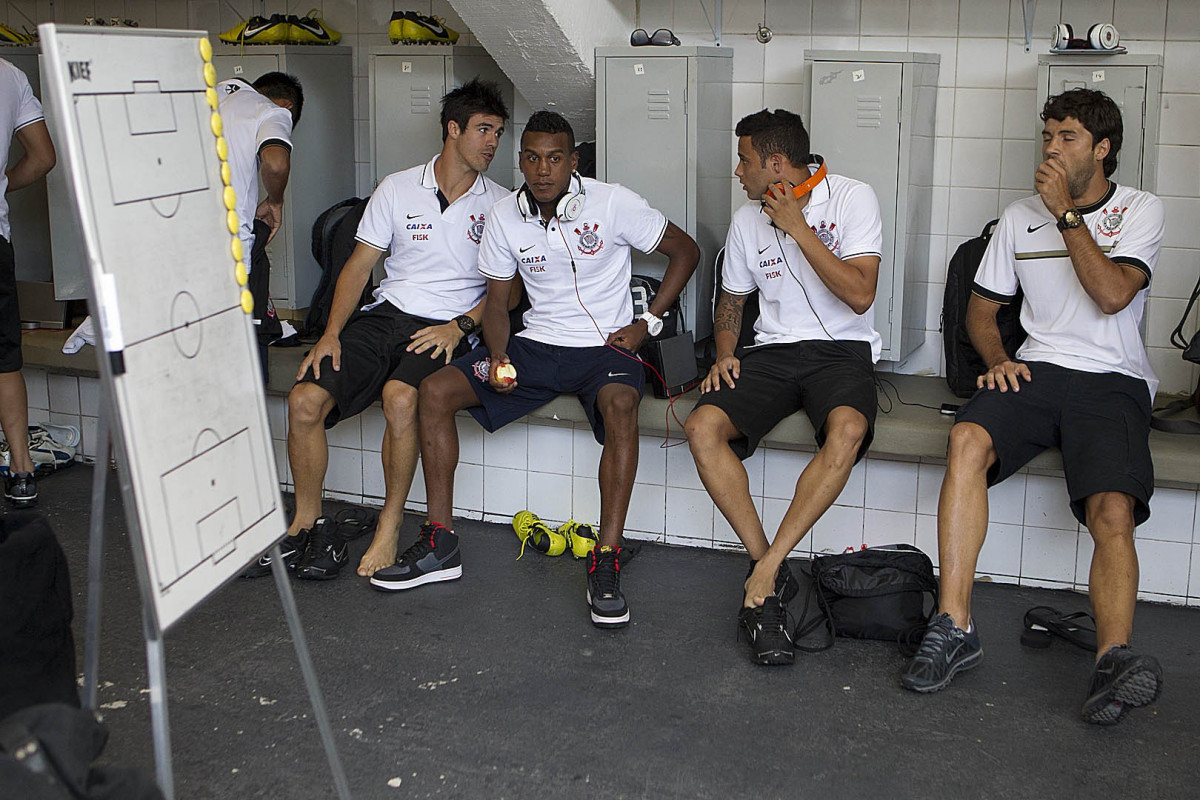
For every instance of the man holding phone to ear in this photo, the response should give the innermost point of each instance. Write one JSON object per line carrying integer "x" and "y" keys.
{"x": 569, "y": 238}
{"x": 814, "y": 260}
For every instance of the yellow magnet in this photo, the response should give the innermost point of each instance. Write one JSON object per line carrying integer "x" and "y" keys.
{"x": 240, "y": 273}
{"x": 235, "y": 247}
{"x": 247, "y": 301}
{"x": 210, "y": 74}
{"x": 230, "y": 197}
{"x": 217, "y": 126}
{"x": 211, "y": 96}
{"x": 222, "y": 148}
{"x": 232, "y": 220}
{"x": 226, "y": 173}
{"x": 206, "y": 49}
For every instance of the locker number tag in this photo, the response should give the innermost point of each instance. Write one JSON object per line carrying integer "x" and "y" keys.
{"x": 858, "y": 75}
{"x": 1098, "y": 76}
{"x": 406, "y": 66}
{"x": 639, "y": 69}
{"x": 237, "y": 70}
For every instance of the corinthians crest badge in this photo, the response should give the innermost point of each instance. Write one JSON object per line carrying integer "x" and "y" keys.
{"x": 475, "y": 228}
{"x": 589, "y": 239}
{"x": 827, "y": 234}
{"x": 1111, "y": 220}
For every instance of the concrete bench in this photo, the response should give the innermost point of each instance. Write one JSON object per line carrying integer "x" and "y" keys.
{"x": 914, "y": 428}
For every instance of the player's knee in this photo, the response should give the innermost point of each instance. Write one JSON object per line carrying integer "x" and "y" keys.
{"x": 400, "y": 403}
{"x": 703, "y": 429}
{"x": 970, "y": 447}
{"x": 1110, "y": 516}
{"x": 308, "y": 404}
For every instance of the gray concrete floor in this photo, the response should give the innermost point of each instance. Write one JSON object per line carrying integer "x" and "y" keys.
{"x": 498, "y": 686}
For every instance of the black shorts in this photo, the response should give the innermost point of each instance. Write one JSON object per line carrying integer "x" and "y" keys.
{"x": 373, "y": 353}
{"x": 1099, "y": 420}
{"x": 10, "y": 313}
{"x": 543, "y": 372}
{"x": 778, "y": 380}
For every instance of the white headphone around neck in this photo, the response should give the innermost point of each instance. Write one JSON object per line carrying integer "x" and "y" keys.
{"x": 570, "y": 205}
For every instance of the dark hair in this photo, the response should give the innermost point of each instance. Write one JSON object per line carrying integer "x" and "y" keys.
{"x": 281, "y": 86}
{"x": 551, "y": 122}
{"x": 777, "y": 131}
{"x": 1096, "y": 112}
{"x": 473, "y": 97}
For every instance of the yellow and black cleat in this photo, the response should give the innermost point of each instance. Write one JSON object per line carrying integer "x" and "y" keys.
{"x": 410, "y": 27}
{"x": 532, "y": 531}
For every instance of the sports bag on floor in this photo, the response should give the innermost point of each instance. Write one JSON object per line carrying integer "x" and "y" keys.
{"x": 873, "y": 593}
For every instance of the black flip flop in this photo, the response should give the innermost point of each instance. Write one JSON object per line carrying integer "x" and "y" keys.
{"x": 352, "y": 523}
{"x": 1042, "y": 623}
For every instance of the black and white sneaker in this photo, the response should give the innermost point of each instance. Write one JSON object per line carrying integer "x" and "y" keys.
{"x": 945, "y": 651}
{"x": 435, "y": 557}
{"x": 326, "y": 554}
{"x": 20, "y": 488}
{"x": 769, "y": 632}
{"x": 607, "y": 604}
{"x": 1121, "y": 680}
{"x": 291, "y": 549}
{"x": 786, "y": 585}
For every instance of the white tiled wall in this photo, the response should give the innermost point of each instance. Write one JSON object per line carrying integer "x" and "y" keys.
{"x": 986, "y": 103}
{"x": 551, "y": 469}
{"x": 986, "y": 119}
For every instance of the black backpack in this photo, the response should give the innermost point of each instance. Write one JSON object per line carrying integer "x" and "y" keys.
{"x": 963, "y": 363}
{"x": 644, "y": 289}
{"x": 749, "y": 315}
{"x": 332, "y": 243}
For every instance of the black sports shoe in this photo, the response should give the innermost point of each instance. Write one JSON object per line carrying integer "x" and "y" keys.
{"x": 433, "y": 558}
{"x": 767, "y": 628}
{"x": 786, "y": 585}
{"x": 604, "y": 597}
{"x": 20, "y": 488}
{"x": 326, "y": 554}
{"x": 1121, "y": 680}
{"x": 945, "y": 651}
{"x": 291, "y": 548}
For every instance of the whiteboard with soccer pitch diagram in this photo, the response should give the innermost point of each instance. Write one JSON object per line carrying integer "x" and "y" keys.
{"x": 139, "y": 133}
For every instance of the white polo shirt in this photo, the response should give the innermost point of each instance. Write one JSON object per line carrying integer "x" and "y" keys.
{"x": 1064, "y": 324}
{"x": 431, "y": 269}
{"x": 794, "y": 303}
{"x": 18, "y": 108}
{"x": 574, "y": 271}
{"x": 251, "y": 122}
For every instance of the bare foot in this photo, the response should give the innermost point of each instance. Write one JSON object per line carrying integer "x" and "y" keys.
{"x": 381, "y": 553}
{"x": 759, "y": 586}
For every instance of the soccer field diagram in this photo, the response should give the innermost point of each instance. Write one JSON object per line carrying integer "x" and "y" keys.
{"x": 139, "y": 133}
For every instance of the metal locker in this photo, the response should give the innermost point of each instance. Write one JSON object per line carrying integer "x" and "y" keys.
{"x": 407, "y": 83}
{"x": 1134, "y": 82}
{"x": 323, "y": 158}
{"x": 664, "y": 130}
{"x": 871, "y": 115}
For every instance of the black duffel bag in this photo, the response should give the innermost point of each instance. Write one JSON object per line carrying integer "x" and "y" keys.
{"x": 873, "y": 593}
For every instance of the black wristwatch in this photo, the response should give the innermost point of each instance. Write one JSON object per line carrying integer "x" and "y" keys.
{"x": 465, "y": 324}
{"x": 1071, "y": 218}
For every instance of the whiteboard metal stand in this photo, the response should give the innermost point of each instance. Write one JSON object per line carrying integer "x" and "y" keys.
{"x": 155, "y": 659}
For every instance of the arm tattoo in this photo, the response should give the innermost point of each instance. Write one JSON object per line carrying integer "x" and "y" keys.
{"x": 728, "y": 316}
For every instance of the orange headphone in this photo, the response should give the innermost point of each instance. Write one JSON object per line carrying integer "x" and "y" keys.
{"x": 812, "y": 181}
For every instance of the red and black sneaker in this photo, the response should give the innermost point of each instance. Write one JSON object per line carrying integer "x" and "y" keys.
{"x": 434, "y": 557}
{"x": 604, "y": 597}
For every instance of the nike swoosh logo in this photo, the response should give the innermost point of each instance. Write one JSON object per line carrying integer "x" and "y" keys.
{"x": 765, "y": 249}
{"x": 414, "y": 216}
{"x": 1031, "y": 229}
{"x": 249, "y": 31}
{"x": 523, "y": 249}
{"x": 617, "y": 374}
